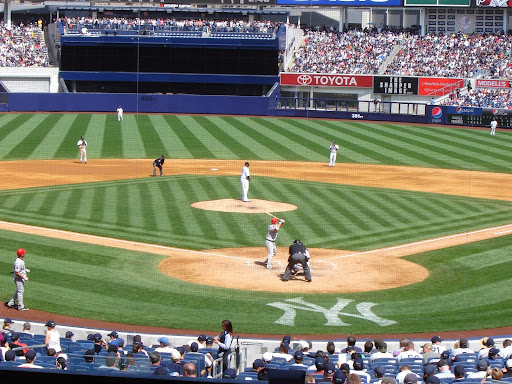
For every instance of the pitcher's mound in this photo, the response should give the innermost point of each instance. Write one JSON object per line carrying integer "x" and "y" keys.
{"x": 235, "y": 205}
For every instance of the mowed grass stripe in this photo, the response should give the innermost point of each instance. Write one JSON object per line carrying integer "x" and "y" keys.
{"x": 67, "y": 149}
{"x": 29, "y": 137}
{"x": 151, "y": 141}
{"x": 223, "y": 134}
{"x": 194, "y": 145}
{"x": 113, "y": 141}
{"x": 174, "y": 147}
{"x": 8, "y": 127}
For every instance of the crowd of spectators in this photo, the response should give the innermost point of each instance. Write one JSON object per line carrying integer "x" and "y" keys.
{"x": 88, "y": 24}
{"x": 457, "y": 55}
{"x": 481, "y": 97}
{"x": 22, "y": 46}
{"x": 355, "y": 52}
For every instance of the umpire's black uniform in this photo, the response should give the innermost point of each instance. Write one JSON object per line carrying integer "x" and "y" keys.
{"x": 297, "y": 253}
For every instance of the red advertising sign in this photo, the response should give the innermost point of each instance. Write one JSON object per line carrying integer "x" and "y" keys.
{"x": 485, "y": 83}
{"x": 326, "y": 80}
{"x": 438, "y": 86}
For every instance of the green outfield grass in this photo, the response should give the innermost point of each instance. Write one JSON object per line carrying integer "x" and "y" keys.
{"x": 466, "y": 288}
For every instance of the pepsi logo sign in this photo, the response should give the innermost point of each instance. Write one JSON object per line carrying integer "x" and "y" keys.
{"x": 437, "y": 112}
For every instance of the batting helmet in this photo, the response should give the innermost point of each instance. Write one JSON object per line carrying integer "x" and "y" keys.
{"x": 274, "y": 220}
{"x": 21, "y": 252}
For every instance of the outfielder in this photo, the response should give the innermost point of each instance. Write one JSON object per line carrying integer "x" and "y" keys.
{"x": 20, "y": 276}
{"x": 83, "y": 152}
{"x": 119, "y": 114}
{"x": 245, "y": 178}
{"x": 334, "y": 151}
{"x": 494, "y": 124}
{"x": 270, "y": 240}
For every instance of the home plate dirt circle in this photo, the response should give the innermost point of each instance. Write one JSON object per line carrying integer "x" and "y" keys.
{"x": 236, "y": 205}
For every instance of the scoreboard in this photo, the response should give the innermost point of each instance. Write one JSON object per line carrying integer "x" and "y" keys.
{"x": 478, "y": 116}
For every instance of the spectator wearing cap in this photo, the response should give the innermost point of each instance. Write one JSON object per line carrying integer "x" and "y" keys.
{"x": 89, "y": 356}
{"x": 6, "y": 328}
{"x": 436, "y": 344}
{"x": 378, "y": 372}
{"x": 410, "y": 378}
{"x": 283, "y": 351}
{"x": 161, "y": 371}
{"x": 10, "y": 355}
{"x": 382, "y": 353}
{"x": 494, "y": 354}
{"x": 429, "y": 355}
{"x": 175, "y": 366}
{"x": 99, "y": 343}
{"x": 69, "y": 335}
{"x": 459, "y": 372}
{"x": 444, "y": 370}
{"x": 481, "y": 370}
{"x": 351, "y": 342}
{"x": 208, "y": 358}
{"x": 506, "y": 351}
{"x": 257, "y": 365}
{"x": 298, "y": 359}
{"x": 484, "y": 352}
{"x": 229, "y": 373}
{"x": 339, "y": 377}
{"x": 165, "y": 346}
{"x": 433, "y": 380}
{"x": 428, "y": 370}
{"x": 120, "y": 347}
{"x": 16, "y": 343}
{"x": 403, "y": 371}
{"x": 138, "y": 346}
{"x": 209, "y": 342}
{"x": 201, "y": 341}
{"x": 329, "y": 369}
{"x": 409, "y": 352}
{"x": 30, "y": 357}
{"x": 267, "y": 357}
{"x": 319, "y": 366}
{"x": 52, "y": 338}
{"x": 462, "y": 348}
{"x": 113, "y": 336}
{"x": 358, "y": 369}
{"x": 306, "y": 346}
{"x": 110, "y": 362}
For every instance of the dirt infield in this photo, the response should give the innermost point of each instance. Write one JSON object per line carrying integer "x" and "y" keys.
{"x": 248, "y": 260}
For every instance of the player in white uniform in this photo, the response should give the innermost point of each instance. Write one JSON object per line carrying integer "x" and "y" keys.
{"x": 245, "y": 178}
{"x": 119, "y": 114}
{"x": 83, "y": 152}
{"x": 270, "y": 240}
{"x": 494, "y": 124}
{"x": 334, "y": 151}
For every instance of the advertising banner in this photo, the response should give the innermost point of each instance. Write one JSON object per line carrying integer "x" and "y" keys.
{"x": 347, "y": 3}
{"x": 396, "y": 85}
{"x": 485, "y": 83}
{"x": 438, "y": 86}
{"x": 326, "y": 80}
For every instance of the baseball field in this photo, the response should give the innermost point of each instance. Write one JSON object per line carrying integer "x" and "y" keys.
{"x": 410, "y": 232}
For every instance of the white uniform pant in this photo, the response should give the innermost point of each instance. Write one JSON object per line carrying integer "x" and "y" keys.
{"x": 245, "y": 188}
{"x": 18, "y": 295}
{"x": 271, "y": 251}
{"x": 83, "y": 155}
{"x": 119, "y": 117}
{"x": 332, "y": 159}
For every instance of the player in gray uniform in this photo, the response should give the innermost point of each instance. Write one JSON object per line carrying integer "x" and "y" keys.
{"x": 20, "y": 276}
{"x": 270, "y": 240}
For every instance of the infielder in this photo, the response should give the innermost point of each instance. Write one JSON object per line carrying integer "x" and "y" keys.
{"x": 158, "y": 163}
{"x": 334, "y": 151}
{"x": 494, "y": 124}
{"x": 245, "y": 178}
{"x": 270, "y": 240}
{"x": 81, "y": 144}
{"x": 119, "y": 114}
{"x": 20, "y": 276}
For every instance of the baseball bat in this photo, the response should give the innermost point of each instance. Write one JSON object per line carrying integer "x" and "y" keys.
{"x": 268, "y": 213}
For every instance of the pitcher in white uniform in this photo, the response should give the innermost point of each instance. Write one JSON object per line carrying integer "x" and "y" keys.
{"x": 245, "y": 178}
{"x": 270, "y": 240}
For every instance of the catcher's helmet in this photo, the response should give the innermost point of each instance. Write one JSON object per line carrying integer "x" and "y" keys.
{"x": 21, "y": 252}
{"x": 274, "y": 220}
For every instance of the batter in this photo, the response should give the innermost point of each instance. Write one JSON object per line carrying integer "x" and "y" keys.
{"x": 270, "y": 240}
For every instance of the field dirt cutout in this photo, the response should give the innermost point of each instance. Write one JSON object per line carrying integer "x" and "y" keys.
{"x": 333, "y": 271}
{"x": 236, "y": 205}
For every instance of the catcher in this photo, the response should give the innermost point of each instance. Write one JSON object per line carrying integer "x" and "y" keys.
{"x": 299, "y": 256}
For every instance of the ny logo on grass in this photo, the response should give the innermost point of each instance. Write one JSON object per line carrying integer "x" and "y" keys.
{"x": 332, "y": 315}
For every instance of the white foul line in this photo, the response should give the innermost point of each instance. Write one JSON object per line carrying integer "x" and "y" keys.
{"x": 111, "y": 239}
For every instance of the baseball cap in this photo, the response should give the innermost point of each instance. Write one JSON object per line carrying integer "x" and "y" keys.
{"x": 458, "y": 370}
{"x": 164, "y": 340}
{"x": 258, "y": 363}
{"x": 8, "y": 321}
{"x": 429, "y": 369}
{"x": 493, "y": 352}
{"x": 445, "y": 355}
{"x": 320, "y": 363}
{"x": 267, "y": 356}
{"x": 69, "y": 334}
{"x": 339, "y": 377}
{"x": 201, "y": 337}
{"x": 329, "y": 368}
{"x": 209, "y": 339}
{"x": 194, "y": 347}
{"x": 247, "y": 163}
{"x": 489, "y": 342}
{"x": 436, "y": 339}
{"x": 175, "y": 355}
{"x": 120, "y": 342}
{"x": 113, "y": 334}
{"x": 482, "y": 365}
{"x": 229, "y": 373}
{"x": 50, "y": 323}
{"x": 433, "y": 380}
{"x": 21, "y": 252}
{"x": 410, "y": 378}
{"x": 97, "y": 337}
{"x": 10, "y": 355}
{"x": 15, "y": 336}
{"x": 298, "y": 355}
{"x": 161, "y": 371}
{"x": 358, "y": 364}
{"x": 379, "y": 370}
{"x": 31, "y": 354}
